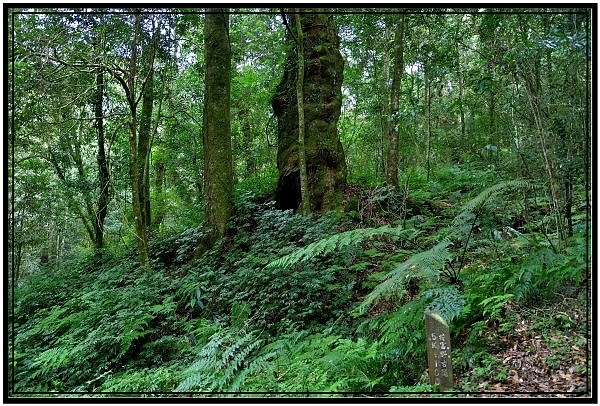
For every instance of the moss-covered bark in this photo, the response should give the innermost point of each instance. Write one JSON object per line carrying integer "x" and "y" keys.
{"x": 323, "y": 75}
{"x": 216, "y": 133}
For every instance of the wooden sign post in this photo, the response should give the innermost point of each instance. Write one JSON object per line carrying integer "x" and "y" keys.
{"x": 438, "y": 351}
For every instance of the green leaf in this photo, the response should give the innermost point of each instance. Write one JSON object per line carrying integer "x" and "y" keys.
{"x": 336, "y": 242}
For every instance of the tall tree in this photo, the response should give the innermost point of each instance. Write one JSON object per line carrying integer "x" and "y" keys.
{"x": 67, "y": 99}
{"x": 216, "y": 127}
{"x": 139, "y": 138}
{"x": 323, "y": 75}
{"x": 392, "y": 161}
{"x": 103, "y": 174}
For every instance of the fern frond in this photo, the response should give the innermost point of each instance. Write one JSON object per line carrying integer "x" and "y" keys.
{"x": 478, "y": 201}
{"x": 233, "y": 368}
{"x": 191, "y": 382}
{"x": 51, "y": 359}
{"x": 257, "y": 364}
{"x": 429, "y": 263}
{"x": 238, "y": 345}
{"x": 208, "y": 359}
{"x": 445, "y": 300}
{"x": 426, "y": 264}
{"x": 220, "y": 362}
{"x": 335, "y": 242}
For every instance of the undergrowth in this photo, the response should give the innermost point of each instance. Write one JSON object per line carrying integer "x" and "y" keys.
{"x": 298, "y": 304}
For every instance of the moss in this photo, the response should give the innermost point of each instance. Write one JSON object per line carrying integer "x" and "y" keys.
{"x": 326, "y": 164}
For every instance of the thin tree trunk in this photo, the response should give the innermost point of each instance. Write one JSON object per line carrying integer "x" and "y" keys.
{"x": 531, "y": 89}
{"x": 461, "y": 83}
{"x": 75, "y": 153}
{"x": 144, "y": 147}
{"x": 392, "y": 164}
{"x": 569, "y": 204}
{"x": 58, "y": 248}
{"x": 385, "y": 120}
{"x": 492, "y": 119}
{"x": 428, "y": 123}
{"x": 17, "y": 261}
{"x": 134, "y": 157}
{"x": 159, "y": 168}
{"x": 103, "y": 176}
{"x": 71, "y": 201}
{"x": 304, "y": 192}
{"x": 462, "y": 112}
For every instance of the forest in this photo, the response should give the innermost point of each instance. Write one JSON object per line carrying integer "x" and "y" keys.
{"x": 253, "y": 202}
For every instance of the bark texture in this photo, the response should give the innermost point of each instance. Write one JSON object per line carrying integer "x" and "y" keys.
{"x": 216, "y": 131}
{"x": 323, "y": 75}
{"x": 304, "y": 191}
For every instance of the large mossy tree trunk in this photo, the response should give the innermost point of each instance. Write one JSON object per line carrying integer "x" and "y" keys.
{"x": 323, "y": 75}
{"x": 216, "y": 130}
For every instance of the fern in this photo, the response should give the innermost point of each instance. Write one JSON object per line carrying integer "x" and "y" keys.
{"x": 493, "y": 305}
{"x": 475, "y": 204}
{"x": 445, "y": 300}
{"x": 224, "y": 362}
{"x": 207, "y": 361}
{"x": 51, "y": 359}
{"x": 256, "y": 365}
{"x": 297, "y": 362}
{"x": 157, "y": 379}
{"x": 335, "y": 242}
{"x": 431, "y": 263}
{"x": 426, "y": 264}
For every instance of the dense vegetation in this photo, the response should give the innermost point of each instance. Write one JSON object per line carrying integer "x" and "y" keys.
{"x": 481, "y": 211}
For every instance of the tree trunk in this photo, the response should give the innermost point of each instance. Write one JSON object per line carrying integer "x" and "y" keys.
{"x": 141, "y": 232}
{"x": 248, "y": 138}
{"x": 18, "y": 254}
{"x": 216, "y": 129}
{"x": 144, "y": 148}
{"x": 492, "y": 119}
{"x": 392, "y": 161}
{"x": 159, "y": 169}
{"x": 72, "y": 202}
{"x": 384, "y": 91}
{"x": 532, "y": 91}
{"x": 304, "y": 192}
{"x": 140, "y": 229}
{"x": 75, "y": 153}
{"x": 461, "y": 82}
{"x": 428, "y": 123}
{"x": 325, "y": 160}
{"x": 103, "y": 176}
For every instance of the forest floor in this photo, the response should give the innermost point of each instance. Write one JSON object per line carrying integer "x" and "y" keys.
{"x": 539, "y": 349}
{"x": 209, "y": 308}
